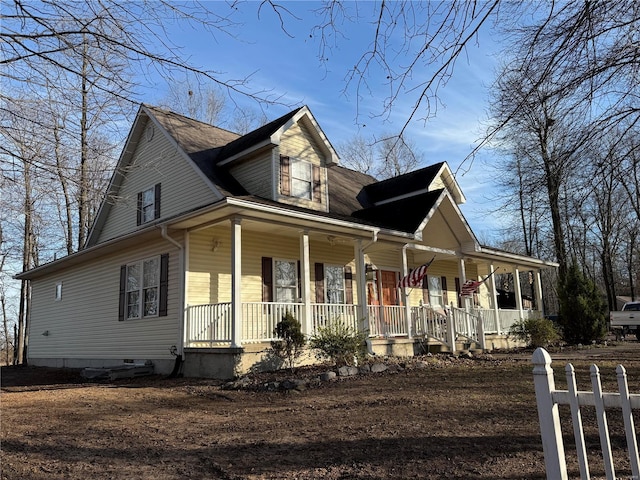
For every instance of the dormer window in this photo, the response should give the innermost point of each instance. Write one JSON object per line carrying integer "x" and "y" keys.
{"x": 300, "y": 179}
{"x": 149, "y": 205}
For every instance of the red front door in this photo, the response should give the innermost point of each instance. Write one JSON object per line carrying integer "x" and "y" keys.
{"x": 388, "y": 287}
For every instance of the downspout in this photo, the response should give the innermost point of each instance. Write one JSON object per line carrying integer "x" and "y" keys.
{"x": 179, "y": 352}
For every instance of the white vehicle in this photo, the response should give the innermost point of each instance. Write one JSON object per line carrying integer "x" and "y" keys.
{"x": 627, "y": 320}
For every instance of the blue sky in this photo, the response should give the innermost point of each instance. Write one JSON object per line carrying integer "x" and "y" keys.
{"x": 289, "y": 66}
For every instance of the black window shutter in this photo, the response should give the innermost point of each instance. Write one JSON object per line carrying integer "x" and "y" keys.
{"x": 348, "y": 285}
{"x": 139, "y": 210}
{"x": 445, "y": 296}
{"x": 156, "y": 198}
{"x": 164, "y": 284}
{"x": 285, "y": 176}
{"x": 425, "y": 290}
{"x": 458, "y": 292}
{"x": 319, "y": 268}
{"x": 267, "y": 279}
{"x": 123, "y": 293}
{"x": 317, "y": 191}
{"x": 299, "y": 282}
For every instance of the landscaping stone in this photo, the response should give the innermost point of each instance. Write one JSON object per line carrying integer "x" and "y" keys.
{"x": 364, "y": 369}
{"x": 347, "y": 371}
{"x": 326, "y": 376}
{"x": 378, "y": 368}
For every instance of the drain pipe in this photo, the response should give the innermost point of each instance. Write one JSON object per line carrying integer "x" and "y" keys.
{"x": 179, "y": 350}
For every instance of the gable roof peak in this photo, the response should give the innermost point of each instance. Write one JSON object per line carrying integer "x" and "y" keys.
{"x": 270, "y": 135}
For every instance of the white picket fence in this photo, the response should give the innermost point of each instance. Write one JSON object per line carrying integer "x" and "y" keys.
{"x": 548, "y": 399}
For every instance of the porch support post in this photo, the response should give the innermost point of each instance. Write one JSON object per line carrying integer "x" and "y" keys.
{"x": 305, "y": 271}
{"x": 494, "y": 297}
{"x": 236, "y": 282}
{"x": 516, "y": 282}
{"x": 361, "y": 285}
{"x": 463, "y": 278}
{"x": 539, "y": 301}
{"x": 405, "y": 292}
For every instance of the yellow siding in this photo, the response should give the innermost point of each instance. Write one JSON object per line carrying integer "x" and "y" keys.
{"x": 209, "y": 273}
{"x": 256, "y": 175}
{"x": 296, "y": 142}
{"x": 84, "y": 324}
{"x": 157, "y": 161}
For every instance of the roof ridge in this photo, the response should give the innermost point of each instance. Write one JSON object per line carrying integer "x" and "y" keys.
{"x": 165, "y": 110}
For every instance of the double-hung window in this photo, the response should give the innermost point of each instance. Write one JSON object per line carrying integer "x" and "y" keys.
{"x": 286, "y": 280}
{"x": 435, "y": 291}
{"x": 143, "y": 288}
{"x": 149, "y": 204}
{"x": 334, "y": 283}
{"x": 143, "y": 282}
{"x": 301, "y": 179}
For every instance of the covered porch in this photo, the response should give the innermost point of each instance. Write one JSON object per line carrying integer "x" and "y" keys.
{"x": 211, "y": 325}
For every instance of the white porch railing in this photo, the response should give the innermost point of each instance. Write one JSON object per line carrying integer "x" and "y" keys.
{"x": 259, "y": 319}
{"x": 387, "y": 321}
{"x": 211, "y": 325}
{"x": 208, "y": 325}
{"x": 323, "y": 314}
{"x": 548, "y": 399}
{"x": 429, "y": 323}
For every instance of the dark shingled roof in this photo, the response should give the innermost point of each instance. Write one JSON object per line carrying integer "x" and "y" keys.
{"x": 203, "y": 143}
{"x": 256, "y": 136}
{"x": 345, "y": 188}
{"x": 409, "y": 182}
{"x": 352, "y": 194}
{"x": 405, "y": 214}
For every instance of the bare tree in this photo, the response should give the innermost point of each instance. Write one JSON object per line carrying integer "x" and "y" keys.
{"x": 381, "y": 158}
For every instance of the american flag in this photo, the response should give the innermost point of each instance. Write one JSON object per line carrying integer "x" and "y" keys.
{"x": 469, "y": 287}
{"x": 414, "y": 278}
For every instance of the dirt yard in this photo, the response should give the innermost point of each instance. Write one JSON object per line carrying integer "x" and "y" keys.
{"x": 450, "y": 418}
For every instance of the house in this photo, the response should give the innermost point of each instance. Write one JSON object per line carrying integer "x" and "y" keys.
{"x": 206, "y": 238}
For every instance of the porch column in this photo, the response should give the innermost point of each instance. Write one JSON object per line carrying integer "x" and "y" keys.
{"x": 539, "y": 304}
{"x": 516, "y": 283}
{"x": 305, "y": 272}
{"x": 405, "y": 292}
{"x": 494, "y": 296}
{"x": 236, "y": 282}
{"x": 361, "y": 285}
{"x": 463, "y": 278}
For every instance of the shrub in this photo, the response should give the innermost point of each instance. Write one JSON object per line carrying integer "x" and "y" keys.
{"x": 290, "y": 343}
{"x": 582, "y": 310}
{"x": 535, "y": 332}
{"x": 339, "y": 343}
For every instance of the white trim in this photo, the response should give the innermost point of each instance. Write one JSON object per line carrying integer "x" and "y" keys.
{"x": 58, "y": 292}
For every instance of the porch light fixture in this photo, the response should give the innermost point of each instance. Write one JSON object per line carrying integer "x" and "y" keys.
{"x": 215, "y": 244}
{"x": 331, "y": 239}
{"x": 45, "y": 333}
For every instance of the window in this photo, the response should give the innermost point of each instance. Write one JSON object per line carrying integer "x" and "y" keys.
{"x": 143, "y": 288}
{"x": 301, "y": 179}
{"x": 435, "y": 291}
{"x": 149, "y": 205}
{"x": 334, "y": 281}
{"x": 58, "y": 291}
{"x": 286, "y": 280}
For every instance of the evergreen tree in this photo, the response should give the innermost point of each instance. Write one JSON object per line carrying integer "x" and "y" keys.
{"x": 582, "y": 309}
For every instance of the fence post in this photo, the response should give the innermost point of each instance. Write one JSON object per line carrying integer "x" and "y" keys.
{"x": 629, "y": 428}
{"x": 548, "y": 416}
